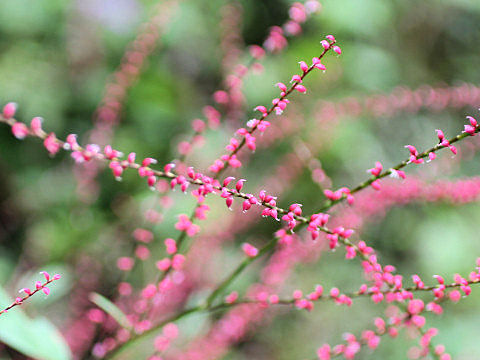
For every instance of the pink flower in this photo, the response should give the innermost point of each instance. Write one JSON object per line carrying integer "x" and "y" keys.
{"x": 473, "y": 121}
{"x": 239, "y": 184}
{"x": 231, "y": 298}
{"x": 376, "y": 184}
{"x": 249, "y": 250}
{"x": 415, "y": 306}
{"x": 455, "y": 295}
{"x": 171, "y": 246}
{"x": 170, "y": 331}
{"x": 273, "y": 299}
{"x": 257, "y": 52}
{"x": 303, "y": 66}
{"x": 184, "y": 224}
{"x": 469, "y": 129}
{"x": 324, "y": 352}
{"x": 143, "y": 235}
{"x": 142, "y": 252}
{"x": 377, "y": 297}
{"x": 351, "y": 253}
{"x": 9, "y": 110}
{"x": 149, "y": 291}
{"x": 161, "y": 343}
{"x": 177, "y": 261}
{"x": 296, "y": 79}
{"x": 51, "y": 144}
{"x": 164, "y": 264}
{"x": 377, "y": 169}
{"x": 300, "y": 88}
{"x": 125, "y": 263}
{"x": 262, "y": 109}
{"x": 282, "y": 86}
{"x": 46, "y": 275}
{"x": 36, "y": 125}
{"x": 20, "y": 130}
{"x": 418, "y": 321}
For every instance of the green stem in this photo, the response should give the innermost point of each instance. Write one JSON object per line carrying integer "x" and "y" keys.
{"x": 247, "y": 261}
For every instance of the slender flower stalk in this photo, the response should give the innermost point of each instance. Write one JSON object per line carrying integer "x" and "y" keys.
{"x": 261, "y": 124}
{"x": 334, "y": 198}
{"x": 39, "y": 286}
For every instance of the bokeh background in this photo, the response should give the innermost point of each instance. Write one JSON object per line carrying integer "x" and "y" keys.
{"x": 55, "y": 58}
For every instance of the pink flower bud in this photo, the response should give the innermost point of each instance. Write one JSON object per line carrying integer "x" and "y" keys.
{"x": 296, "y": 78}
{"x": 164, "y": 264}
{"x": 20, "y": 130}
{"x": 415, "y": 306}
{"x": 177, "y": 261}
{"x": 168, "y": 168}
{"x": 131, "y": 158}
{"x": 46, "y": 274}
{"x": 51, "y": 144}
{"x": 301, "y": 88}
{"x": 303, "y": 66}
{"x": 125, "y": 263}
{"x": 198, "y": 125}
{"x": 376, "y": 185}
{"x": 26, "y": 291}
{"x": 262, "y": 109}
{"x": 148, "y": 161}
{"x": 149, "y": 291}
{"x": 36, "y": 125}
{"x": 469, "y": 129}
{"x": 325, "y": 44}
{"x": 239, "y": 184}
{"x": 440, "y": 134}
{"x": 249, "y": 250}
{"x": 257, "y": 52}
{"x": 334, "y": 292}
{"x": 151, "y": 180}
{"x": 455, "y": 295}
{"x": 231, "y": 298}
{"x": 281, "y": 86}
{"x": 472, "y": 121}
{"x": 221, "y": 97}
{"x": 9, "y": 110}
{"x": 142, "y": 252}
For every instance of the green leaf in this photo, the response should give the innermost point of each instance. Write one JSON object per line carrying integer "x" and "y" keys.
{"x": 37, "y": 338}
{"x": 110, "y": 308}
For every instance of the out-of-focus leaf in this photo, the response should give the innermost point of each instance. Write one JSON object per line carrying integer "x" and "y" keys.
{"x": 110, "y": 308}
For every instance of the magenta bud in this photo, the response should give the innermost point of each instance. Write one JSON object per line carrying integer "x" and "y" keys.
{"x": 9, "y": 110}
